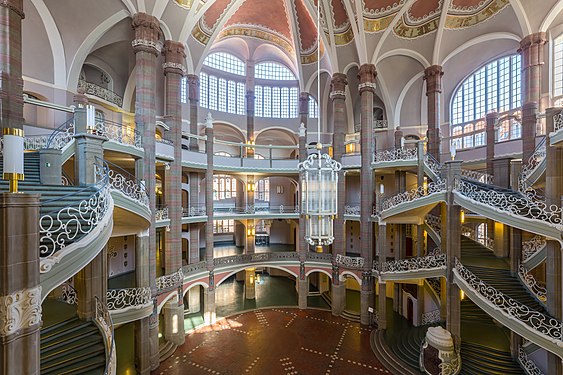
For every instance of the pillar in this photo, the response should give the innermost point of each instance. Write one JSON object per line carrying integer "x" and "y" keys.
{"x": 303, "y": 247}
{"x": 147, "y": 48}
{"x": 433, "y": 77}
{"x": 338, "y": 292}
{"x": 250, "y": 235}
{"x": 491, "y": 120}
{"x": 11, "y": 82}
{"x": 194, "y": 227}
{"x": 302, "y": 287}
{"x": 453, "y": 250}
{"x": 193, "y": 97}
{"x": 174, "y": 71}
{"x": 366, "y": 88}
{"x": 420, "y": 300}
{"x": 88, "y": 148}
{"x": 20, "y": 292}
{"x": 209, "y": 195}
{"x": 529, "y": 122}
{"x": 249, "y": 283}
{"x": 420, "y": 146}
{"x": 382, "y": 297}
{"x": 250, "y": 99}
{"x": 174, "y": 321}
{"x": 209, "y": 308}
{"x": 501, "y": 232}
{"x": 90, "y": 282}
{"x": 553, "y": 195}
{"x": 338, "y": 96}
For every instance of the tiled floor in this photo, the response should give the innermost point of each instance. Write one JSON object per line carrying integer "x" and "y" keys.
{"x": 276, "y": 341}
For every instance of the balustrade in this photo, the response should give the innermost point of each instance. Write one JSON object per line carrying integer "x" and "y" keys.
{"x": 395, "y": 154}
{"x": 349, "y": 262}
{"x": 411, "y": 195}
{"x": 527, "y": 364}
{"x": 431, "y": 317}
{"x": 120, "y": 299}
{"x": 528, "y": 279}
{"x": 532, "y": 247}
{"x": 433, "y": 261}
{"x": 100, "y": 92}
{"x": 170, "y": 281}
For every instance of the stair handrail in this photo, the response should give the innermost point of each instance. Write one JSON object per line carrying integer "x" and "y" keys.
{"x": 410, "y": 195}
{"x": 532, "y": 164}
{"x": 169, "y": 281}
{"x": 435, "y": 285}
{"x": 527, "y": 364}
{"x": 434, "y": 222}
{"x": 69, "y": 294}
{"x": 543, "y": 324}
{"x": 126, "y": 182}
{"x": 197, "y": 210}
{"x": 431, "y": 261}
{"x": 432, "y": 164}
{"x": 53, "y": 226}
{"x": 558, "y": 121}
{"x": 62, "y": 135}
{"x": 161, "y": 214}
{"x": 121, "y": 299}
{"x": 395, "y": 153}
{"x": 104, "y": 322}
{"x": 531, "y": 283}
{"x": 477, "y": 176}
{"x": 66, "y": 180}
{"x": 514, "y": 204}
{"x": 533, "y": 246}
{"x": 114, "y": 131}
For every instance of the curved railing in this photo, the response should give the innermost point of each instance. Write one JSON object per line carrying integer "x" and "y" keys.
{"x": 255, "y": 258}
{"x": 170, "y": 281}
{"x": 251, "y": 209}
{"x": 543, "y": 325}
{"x": 105, "y": 324}
{"x": 119, "y": 133}
{"x": 529, "y": 367}
{"x": 126, "y": 183}
{"x": 469, "y": 232}
{"x": 351, "y": 210}
{"x": 161, "y": 214}
{"x": 477, "y": 176}
{"x": 539, "y": 291}
{"x": 431, "y": 317}
{"x": 433, "y": 261}
{"x": 194, "y": 211}
{"x": 122, "y": 299}
{"x": 432, "y": 164}
{"x": 533, "y": 246}
{"x": 61, "y": 136}
{"x": 395, "y": 154}
{"x": 532, "y": 164}
{"x": 558, "y": 122}
{"x": 68, "y": 294}
{"x": 419, "y": 192}
{"x": 513, "y": 203}
{"x": 61, "y": 227}
{"x": 349, "y": 262}
{"x": 434, "y": 222}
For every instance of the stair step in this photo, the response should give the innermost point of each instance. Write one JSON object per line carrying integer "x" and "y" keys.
{"x": 69, "y": 357}
{"x": 88, "y": 364}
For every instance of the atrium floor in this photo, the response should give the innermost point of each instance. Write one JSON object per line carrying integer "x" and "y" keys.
{"x": 276, "y": 341}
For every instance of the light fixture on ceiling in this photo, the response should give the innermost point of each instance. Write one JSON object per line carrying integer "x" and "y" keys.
{"x": 319, "y": 181}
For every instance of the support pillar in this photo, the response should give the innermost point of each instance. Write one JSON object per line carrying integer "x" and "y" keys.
{"x": 20, "y": 292}
{"x": 382, "y": 298}
{"x": 91, "y": 282}
{"x": 209, "y": 195}
{"x": 194, "y": 208}
{"x": 174, "y": 71}
{"x": 50, "y": 165}
{"x": 250, "y": 236}
{"x": 302, "y": 287}
{"x": 338, "y": 292}
{"x": 174, "y": 322}
{"x": 250, "y": 99}
{"x": 250, "y": 283}
{"x": 501, "y": 233}
{"x": 433, "y": 77}
{"x": 491, "y": 121}
{"x": 193, "y": 97}
{"x": 209, "y": 308}
{"x": 303, "y": 247}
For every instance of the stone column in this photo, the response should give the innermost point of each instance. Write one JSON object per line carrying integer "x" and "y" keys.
{"x": 303, "y": 246}
{"x": 20, "y": 292}
{"x": 194, "y": 227}
{"x": 174, "y": 321}
{"x": 250, "y": 246}
{"x": 553, "y": 195}
{"x": 491, "y": 120}
{"x": 453, "y": 250}
{"x": 250, "y": 98}
{"x": 174, "y": 70}
{"x": 193, "y": 96}
{"x": 366, "y": 88}
{"x": 338, "y": 292}
{"x": 338, "y": 96}
{"x": 382, "y": 298}
{"x": 420, "y": 182}
{"x": 400, "y": 241}
{"x": 249, "y": 283}
{"x": 529, "y": 122}
{"x": 433, "y": 77}
{"x": 209, "y": 195}
{"x": 11, "y": 82}
{"x": 209, "y": 308}
{"x": 91, "y": 282}
{"x": 420, "y": 300}
{"x": 302, "y": 287}
{"x": 147, "y": 48}
{"x": 502, "y": 167}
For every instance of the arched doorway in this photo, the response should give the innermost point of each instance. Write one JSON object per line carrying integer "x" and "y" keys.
{"x": 319, "y": 290}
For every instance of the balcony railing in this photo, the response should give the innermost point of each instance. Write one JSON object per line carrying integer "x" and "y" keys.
{"x": 100, "y": 92}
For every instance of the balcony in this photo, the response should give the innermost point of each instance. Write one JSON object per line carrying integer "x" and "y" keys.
{"x": 100, "y": 92}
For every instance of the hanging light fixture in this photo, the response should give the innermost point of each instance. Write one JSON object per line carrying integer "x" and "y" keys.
{"x": 319, "y": 181}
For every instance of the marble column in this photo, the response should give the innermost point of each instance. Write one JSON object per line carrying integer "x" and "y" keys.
{"x": 338, "y": 292}
{"x": 209, "y": 195}
{"x": 147, "y": 48}
{"x": 491, "y": 120}
{"x": 250, "y": 246}
{"x": 209, "y": 307}
{"x": 174, "y": 70}
{"x": 433, "y": 77}
{"x": 501, "y": 232}
{"x": 193, "y": 97}
{"x": 11, "y": 82}
{"x": 20, "y": 291}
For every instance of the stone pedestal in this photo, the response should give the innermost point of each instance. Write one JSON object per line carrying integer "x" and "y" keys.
{"x": 338, "y": 299}
{"x": 302, "y": 292}
{"x": 88, "y": 151}
{"x": 250, "y": 283}
{"x": 209, "y": 313}
{"x": 142, "y": 346}
{"x": 438, "y": 349}
{"x": 50, "y": 166}
{"x": 91, "y": 282}
{"x": 174, "y": 322}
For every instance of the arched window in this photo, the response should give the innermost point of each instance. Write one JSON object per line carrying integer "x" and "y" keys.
{"x": 225, "y": 62}
{"x": 558, "y": 67}
{"x": 313, "y": 107}
{"x": 221, "y": 94}
{"x": 494, "y": 87}
{"x": 224, "y": 187}
{"x": 263, "y": 190}
{"x": 275, "y": 102}
{"x": 273, "y": 71}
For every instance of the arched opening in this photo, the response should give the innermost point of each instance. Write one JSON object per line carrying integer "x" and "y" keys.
{"x": 352, "y": 296}
{"x": 319, "y": 290}
{"x": 193, "y": 307}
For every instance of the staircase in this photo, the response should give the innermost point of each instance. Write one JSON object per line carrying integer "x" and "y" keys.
{"x": 405, "y": 343}
{"x": 30, "y": 166}
{"x": 348, "y": 315}
{"x": 72, "y": 346}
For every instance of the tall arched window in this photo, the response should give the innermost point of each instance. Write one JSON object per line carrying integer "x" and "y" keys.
{"x": 313, "y": 107}
{"x": 225, "y": 62}
{"x": 273, "y": 71}
{"x": 558, "y": 67}
{"x": 494, "y": 87}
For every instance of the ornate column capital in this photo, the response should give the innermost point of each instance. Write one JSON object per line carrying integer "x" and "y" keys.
{"x": 174, "y": 57}
{"x": 433, "y": 77}
{"x": 304, "y": 103}
{"x": 338, "y": 86}
{"x": 539, "y": 38}
{"x": 147, "y": 34}
{"x": 14, "y": 5}
{"x": 367, "y": 75}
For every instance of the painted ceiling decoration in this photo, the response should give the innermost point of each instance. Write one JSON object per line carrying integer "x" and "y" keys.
{"x": 342, "y": 28}
{"x": 307, "y": 29}
{"x": 185, "y": 3}
{"x": 378, "y": 14}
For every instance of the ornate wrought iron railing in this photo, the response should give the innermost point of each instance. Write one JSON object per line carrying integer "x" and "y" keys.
{"x": 395, "y": 154}
{"x": 558, "y": 122}
{"x": 351, "y": 210}
{"x": 198, "y": 210}
{"x": 252, "y": 209}
{"x": 431, "y": 317}
{"x": 349, "y": 262}
{"x": 319, "y": 257}
{"x": 411, "y": 195}
{"x": 126, "y": 183}
{"x": 527, "y": 364}
{"x": 119, "y": 133}
{"x": 161, "y": 214}
{"x": 61, "y": 227}
{"x": 62, "y": 135}
{"x": 105, "y": 324}
{"x": 435, "y": 284}
{"x": 121, "y": 299}
{"x": 170, "y": 281}
{"x": 256, "y": 258}
{"x": 432, "y": 164}
{"x": 533, "y": 246}
{"x": 542, "y": 324}
{"x": 532, "y": 165}
{"x": 434, "y": 222}
{"x": 100, "y": 92}
{"x": 68, "y": 294}
{"x": 194, "y": 267}
{"x": 432, "y": 261}
{"x": 477, "y": 176}
{"x": 539, "y": 291}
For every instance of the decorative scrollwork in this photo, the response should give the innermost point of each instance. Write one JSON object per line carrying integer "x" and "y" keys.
{"x": 61, "y": 227}
{"x": 435, "y": 284}
{"x": 105, "y": 324}
{"x": 543, "y": 324}
{"x": 433, "y": 261}
{"x": 349, "y": 262}
{"x": 451, "y": 368}
{"x": 319, "y": 257}
{"x": 100, "y": 92}
{"x": 432, "y": 164}
{"x": 533, "y": 246}
{"x": 419, "y": 192}
{"x": 20, "y": 310}
{"x": 119, "y": 133}
{"x": 380, "y": 124}
{"x": 512, "y": 202}
{"x": 431, "y": 317}
{"x": 194, "y": 211}
{"x": 531, "y": 166}
{"x": 528, "y": 279}
{"x": 255, "y": 258}
{"x": 119, "y": 299}
{"x": 434, "y": 222}
{"x": 161, "y": 214}
{"x": 69, "y": 294}
{"x": 351, "y": 210}
{"x": 396, "y": 154}
{"x": 466, "y": 231}
{"x": 558, "y": 122}
{"x": 477, "y": 176}
{"x": 129, "y": 186}
{"x": 527, "y": 364}
{"x": 169, "y": 281}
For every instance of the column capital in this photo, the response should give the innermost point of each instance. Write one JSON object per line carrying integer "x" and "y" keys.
{"x": 539, "y": 38}
{"x": 338, "y": 86}
{"x": 147, "y": 34}
{"x": 14, "y": 5}
{"x": 174, "y": 56}
{"x": 304, "y": 103}
{"x": 433, "y": 77}
{"x": 367, "y": 75}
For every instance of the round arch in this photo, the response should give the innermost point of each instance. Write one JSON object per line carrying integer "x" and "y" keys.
{"x": 342, "y": 276}
{"x": 319, "y": 270}
{"x": 242, "y": 268}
